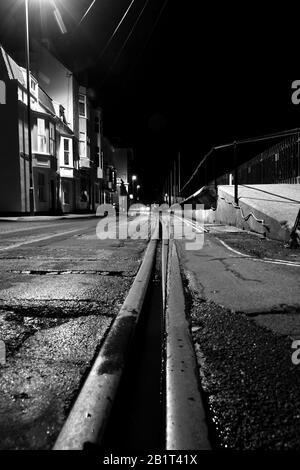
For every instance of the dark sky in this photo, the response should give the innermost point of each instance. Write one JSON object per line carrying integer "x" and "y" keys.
{"x": 200, "y": 74}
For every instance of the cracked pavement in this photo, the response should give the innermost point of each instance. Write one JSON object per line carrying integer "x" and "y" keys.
{"x": 60, "y": 289}
{"x": 244, "y": 314}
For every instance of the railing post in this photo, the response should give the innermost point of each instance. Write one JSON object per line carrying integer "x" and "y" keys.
{"x": 236, "y": 183}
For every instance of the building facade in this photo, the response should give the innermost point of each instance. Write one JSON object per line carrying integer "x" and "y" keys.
{"x": 66, "y": 132}
{"x": 14, "y": 175}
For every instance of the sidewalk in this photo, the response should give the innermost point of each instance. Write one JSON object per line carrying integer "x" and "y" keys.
{"x": 42, "y": 218}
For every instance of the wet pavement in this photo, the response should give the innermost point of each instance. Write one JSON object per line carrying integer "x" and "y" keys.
{"x": 244, "y": 311}
{"x": 60, "y": 289}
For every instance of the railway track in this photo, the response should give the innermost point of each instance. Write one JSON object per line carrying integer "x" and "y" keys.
{"x": 143, "y": 391}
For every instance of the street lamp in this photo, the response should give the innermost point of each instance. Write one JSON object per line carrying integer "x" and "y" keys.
{"x": 63, "y": 30}
{"x": 137, "y": 192}
{"x": 133, "y": 178}
{"x": 31, "y": 187}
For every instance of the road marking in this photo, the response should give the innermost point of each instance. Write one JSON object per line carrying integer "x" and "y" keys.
{"x": 262, "y": 260}
{"x": 27, "y": 229}
{"x": 17, "y": 245}
{"x": 192, "y": 224}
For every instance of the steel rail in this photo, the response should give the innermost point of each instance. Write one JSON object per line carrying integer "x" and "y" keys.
{"x": 90, "y": 413}
{"x": 186, "y": 426}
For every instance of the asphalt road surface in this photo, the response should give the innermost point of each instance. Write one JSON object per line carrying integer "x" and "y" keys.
{"x": 60, "y": 288}
{"x": 243, "y": 301}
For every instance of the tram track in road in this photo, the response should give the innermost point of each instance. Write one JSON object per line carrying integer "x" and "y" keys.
{"x": 143, "y": 389}
{"x": 74, "y": 362}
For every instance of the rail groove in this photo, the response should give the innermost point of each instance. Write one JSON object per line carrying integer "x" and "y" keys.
{"x": 184, "y": 417}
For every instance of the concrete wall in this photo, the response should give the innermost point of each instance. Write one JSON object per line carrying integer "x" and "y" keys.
{"x": 227, "y": 214}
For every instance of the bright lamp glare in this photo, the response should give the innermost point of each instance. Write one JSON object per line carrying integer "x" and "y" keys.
{"x": 59, "y": 21}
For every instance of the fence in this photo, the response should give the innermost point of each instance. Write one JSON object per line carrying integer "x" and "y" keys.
{"x": 278, "y": 164}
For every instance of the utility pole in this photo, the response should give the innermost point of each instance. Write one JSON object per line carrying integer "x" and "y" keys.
{"x": 175, "y": 183}
{"x": 31, "y": 187}
{"x": 236, "y": 183}
{"x": 171, "y": 187}
{"x": 179, "y": 174}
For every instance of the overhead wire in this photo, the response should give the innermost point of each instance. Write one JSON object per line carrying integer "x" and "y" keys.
{"x": 114, "y": 32}
{"x": 150, "y": 34}
{"x": 87, "y": 11}
{"x": 125, "y": 43}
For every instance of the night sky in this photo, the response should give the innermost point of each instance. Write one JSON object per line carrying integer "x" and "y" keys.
{"x": 188, "y": 76}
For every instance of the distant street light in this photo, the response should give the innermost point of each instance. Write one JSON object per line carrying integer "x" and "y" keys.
{"x": 137, "y": 192}
{"x": 134, "y": 178}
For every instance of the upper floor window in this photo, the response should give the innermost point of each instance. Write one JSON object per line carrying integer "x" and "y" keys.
{"x": 41, "y": 136}
{"x": 33, "y": 85}
{"x": 82, "y": 105}
{"x": 66, "y": 151}
{"x": 20, "y": 94}
{"x": 52, "y": 138}
{"x": 82, "y": 144}
{"x": 34, "y": 88}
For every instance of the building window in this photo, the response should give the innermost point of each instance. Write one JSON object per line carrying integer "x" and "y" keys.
{"x": 21, "y": 136}
{"x": 66, "y": 143}
{"x": 82, "y": 105}
{"x": 42, "y": 139}
{"x": 20, "y": 94}
{"x": 52, "y": 138}
{"x": 82, "y": 144}
{"x": 41, "y": 187}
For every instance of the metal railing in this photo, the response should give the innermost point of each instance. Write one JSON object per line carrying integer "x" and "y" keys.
{"x": 278, "y": 164}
